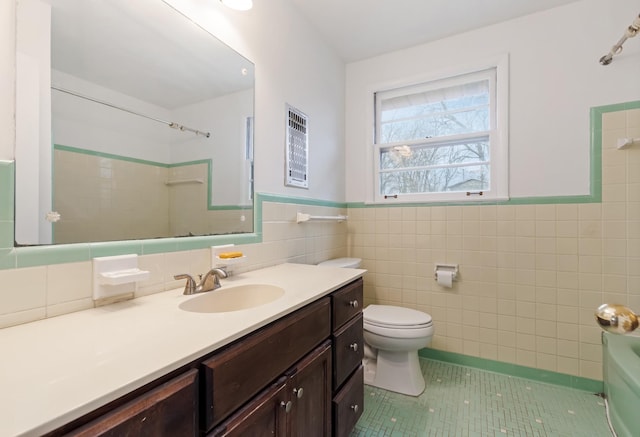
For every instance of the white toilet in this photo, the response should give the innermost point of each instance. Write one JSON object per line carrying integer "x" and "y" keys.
{"x": 393, "y": 335}
{"x": 392, "y": 338}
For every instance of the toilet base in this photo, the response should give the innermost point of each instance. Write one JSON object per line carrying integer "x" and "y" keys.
{"x": 395, "y": 371}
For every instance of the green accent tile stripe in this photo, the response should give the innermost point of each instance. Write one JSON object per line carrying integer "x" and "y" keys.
{"x": 108, "y": 155}
{"x": 7, "y": 259}
{"x": 576, "y": 382}
{"x": 301, "y": 201}
{"x": 55, "y": 254}
{"x": 7, "y": 190}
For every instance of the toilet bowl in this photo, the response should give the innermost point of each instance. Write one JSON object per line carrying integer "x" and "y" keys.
{"x": 393, "y": 335}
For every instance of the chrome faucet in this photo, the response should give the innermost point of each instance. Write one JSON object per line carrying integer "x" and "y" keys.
{"x": 210, "y": 281}
{"x": 190, "y": 286}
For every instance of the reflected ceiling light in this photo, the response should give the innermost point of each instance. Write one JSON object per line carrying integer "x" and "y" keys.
{"x": 238, "y": 5}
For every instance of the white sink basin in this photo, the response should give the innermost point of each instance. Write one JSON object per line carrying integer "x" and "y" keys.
{"x": 236, "y": 298}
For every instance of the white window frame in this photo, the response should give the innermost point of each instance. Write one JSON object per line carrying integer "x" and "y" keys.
{"x": 498, "y": 134}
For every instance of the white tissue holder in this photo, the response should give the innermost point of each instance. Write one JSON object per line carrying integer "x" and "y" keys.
{"x": 116, "y": 275}
{"x": 453, "y": 268}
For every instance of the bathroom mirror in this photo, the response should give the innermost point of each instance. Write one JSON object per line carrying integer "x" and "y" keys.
{"x": 132, "y": 122}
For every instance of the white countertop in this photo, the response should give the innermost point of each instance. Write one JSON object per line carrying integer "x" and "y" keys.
{"x": 55, "y": 370}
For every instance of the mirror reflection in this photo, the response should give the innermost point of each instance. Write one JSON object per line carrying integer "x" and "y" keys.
{"x": 131, "y": 122}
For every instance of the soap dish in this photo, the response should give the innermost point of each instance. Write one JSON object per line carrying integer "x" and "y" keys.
{"x": 231, "y": 261}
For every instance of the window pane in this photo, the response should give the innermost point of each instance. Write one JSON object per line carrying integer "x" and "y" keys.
{"x": 438, "y": 125}
{"x": 468, "y": 178}
{"x": 447, "y": 111}
{"x": 400, "y": 157}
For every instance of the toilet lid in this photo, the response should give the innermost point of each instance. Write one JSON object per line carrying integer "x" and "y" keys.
{"x": 342, "y": 262}
{"x": 393, "y": 316}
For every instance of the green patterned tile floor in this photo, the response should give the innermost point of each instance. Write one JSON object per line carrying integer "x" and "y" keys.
{"x": 462, "y": 401}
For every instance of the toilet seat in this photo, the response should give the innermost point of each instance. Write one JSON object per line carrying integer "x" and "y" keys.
{"x": 397, "y": 322}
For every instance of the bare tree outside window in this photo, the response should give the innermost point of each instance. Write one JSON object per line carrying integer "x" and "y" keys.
{"x": 435, "y": 140}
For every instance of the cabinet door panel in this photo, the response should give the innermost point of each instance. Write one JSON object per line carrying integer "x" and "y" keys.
{"x": 348, "y": 350}
{"x": 348, "y": 404}
{"x": 235, "y": 375}
{"x": 310, "y": 391}
{"x": 168, "y": 410}
{"x": 346, "y": 303}
{"x": 263, "y": 417}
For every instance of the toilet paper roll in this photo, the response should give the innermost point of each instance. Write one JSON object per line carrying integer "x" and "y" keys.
{"x": 445, "y": 278}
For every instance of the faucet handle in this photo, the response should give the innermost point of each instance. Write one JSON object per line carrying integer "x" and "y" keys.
{"x": 190, "y": 286}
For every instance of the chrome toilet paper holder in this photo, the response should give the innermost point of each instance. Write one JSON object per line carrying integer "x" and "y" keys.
{"x": 453, "y": 268}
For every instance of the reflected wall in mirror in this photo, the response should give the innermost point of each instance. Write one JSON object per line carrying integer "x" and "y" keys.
{"x": 131, "y": 122}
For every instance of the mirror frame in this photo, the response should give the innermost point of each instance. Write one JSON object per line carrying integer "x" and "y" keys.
{"x": 14, "y": 255}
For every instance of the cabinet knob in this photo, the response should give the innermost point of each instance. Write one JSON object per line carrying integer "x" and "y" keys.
{"x": 354, "y": 347}
{"x": 355, "y": 408}
{"x": 298, "y": 392}
{"x": 286, "y": 406}
{"x": 353, "y": 303}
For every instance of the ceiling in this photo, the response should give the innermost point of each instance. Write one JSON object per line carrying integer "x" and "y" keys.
{"x": 359, "y": 29}
{"x": 124, "y": 45}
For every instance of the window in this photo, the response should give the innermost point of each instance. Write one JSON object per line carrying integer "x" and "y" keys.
{"x": 439, "y": 141}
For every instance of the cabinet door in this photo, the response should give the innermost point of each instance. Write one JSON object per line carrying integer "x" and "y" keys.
{"x": 168, "y": 410}
{"x": 265, "y": 416}
{"x": 310, "y": 390}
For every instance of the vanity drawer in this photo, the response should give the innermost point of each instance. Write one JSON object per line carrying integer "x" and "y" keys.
{"x": 348, "y": 350}
{"x": 348, "y": 404}
{"x": 346, "y": 303}
{"x": 168, "y": 410}
{"x": 236, "y": 374}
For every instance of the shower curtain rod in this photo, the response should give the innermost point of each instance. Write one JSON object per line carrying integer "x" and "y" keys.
{"x": 631, "y": 31}
{"x": 171, "y": 124}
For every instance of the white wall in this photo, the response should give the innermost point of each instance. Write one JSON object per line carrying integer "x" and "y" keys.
{"x": 555, "y": 78}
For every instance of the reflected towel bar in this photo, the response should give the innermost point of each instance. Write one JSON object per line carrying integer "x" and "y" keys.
{"x": 301, "y": 217}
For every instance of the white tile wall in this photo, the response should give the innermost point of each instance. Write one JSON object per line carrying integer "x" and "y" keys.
{"x": 34, "y": 293}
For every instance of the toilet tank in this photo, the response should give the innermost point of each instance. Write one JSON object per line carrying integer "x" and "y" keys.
{"x": 351, "y": 263}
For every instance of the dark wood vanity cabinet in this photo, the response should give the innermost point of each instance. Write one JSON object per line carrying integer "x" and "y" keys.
{"x": 232, "y": 377}
{"x": 298, "y": 376}
{"x": 298, "y": 404}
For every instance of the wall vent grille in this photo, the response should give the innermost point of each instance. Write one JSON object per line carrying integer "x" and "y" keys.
{"x": 297, "y": 148}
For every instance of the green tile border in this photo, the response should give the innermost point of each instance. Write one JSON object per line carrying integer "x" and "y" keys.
{"x": 32, "y": 256}
{"x": 11, "y": 257}
{"x": 72, "y": 149}
{"x": 547, "y": 376}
